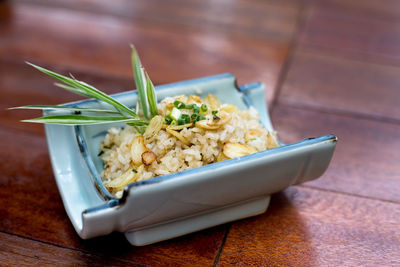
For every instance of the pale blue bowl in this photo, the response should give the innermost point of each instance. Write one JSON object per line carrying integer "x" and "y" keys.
{"x": 176, "y": 204}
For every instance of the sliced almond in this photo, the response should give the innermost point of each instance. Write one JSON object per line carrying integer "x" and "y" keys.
{"x": 178, "y": 136}
{"x": 148, "y": 157}
{"x": 229, "y": 108}
{"x": 153, "y": 128}
{"x": 212, "y": 101}
{"x": 137, "y": 149}
{"x": 235, "y": 150}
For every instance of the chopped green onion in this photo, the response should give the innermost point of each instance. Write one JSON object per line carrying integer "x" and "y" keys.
{"x": 186, "y": 117}
{"x": 190, "y": 106}
{"x": 167, "y": 120}
{"x": 203, "y": 108}
{"x": 176, "y": 103}
{"x": 175, "y": 114}
{"x": 196, "y": 109}
{"x": 181, "y": 121}
{"x": 194, "y": 117}
{"x": 179, "y": 104}
{"x": 201, "y": 118}
{"x": 214, "y": 113}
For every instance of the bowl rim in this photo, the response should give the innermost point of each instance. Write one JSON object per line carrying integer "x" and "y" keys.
{"x": 107, "y": 196}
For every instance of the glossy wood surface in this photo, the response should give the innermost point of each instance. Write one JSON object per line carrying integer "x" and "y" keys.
{"x": 329, "y": 67}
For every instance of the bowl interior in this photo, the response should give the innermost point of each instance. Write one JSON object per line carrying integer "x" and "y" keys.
{"x": 223, "y": 86}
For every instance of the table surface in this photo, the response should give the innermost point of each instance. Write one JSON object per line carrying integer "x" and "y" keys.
{"x": 329, "y": 66}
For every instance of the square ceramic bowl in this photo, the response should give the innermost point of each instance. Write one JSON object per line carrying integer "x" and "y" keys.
{"x": 176, "y": 204}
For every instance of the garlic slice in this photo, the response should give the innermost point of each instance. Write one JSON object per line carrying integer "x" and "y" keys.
{"x": 180, "y": 127}
{"x": 235, "y": 150}
{"x": 194, "y": 99}
{"x": 229, "y": 108}
{"x": 130, "y": 176}
{"x": 221, "y": 157}
{"x": 178, "y": 136}
{"x": 153, "y": 128}
{"x": 212, "y": 101}
{"x": 137, "y": 149}
{"x": 214, "y": 124}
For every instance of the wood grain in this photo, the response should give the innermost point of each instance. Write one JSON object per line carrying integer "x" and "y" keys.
{"x": 268, "y": 20}
{"x": 100, "y": 43}
{"x": 330, "y": 83}
{"x": 366, "y": 159}
{"x": 336, "y": 64}
{"x": 308, "y": 227}
{"x": 30, "y": 206}
{"x": 357, "y": 34}
{"x": 26, "y": 252}
{"x": 385, "y": 9}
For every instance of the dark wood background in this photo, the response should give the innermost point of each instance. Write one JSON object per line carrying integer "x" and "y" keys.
{"x": 329, "y": 66}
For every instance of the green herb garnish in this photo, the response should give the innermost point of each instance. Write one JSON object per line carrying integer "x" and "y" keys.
{"x": 167, "y": 120}
{"x": 186, "y": 118}
{"x": 116, "y": 112}
{"x": 181, "y": 121}
{"x": 179, "y": 104}
{"x": 190, "y": 106}
{"x": 214, "y": 113}
{"x": 147, "y": 98}
{"x": 175, "y": 114}
{"x": 194, "y": 117}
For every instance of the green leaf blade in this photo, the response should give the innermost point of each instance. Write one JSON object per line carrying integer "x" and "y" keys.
{"x": 73, "y": 89}
{"x": 151, "y": 96}
{"x": 64, "y": 108}
{"x": 138, "y": 74}
{"x": 84, "y": 120}
{"x": 85, "y": 89}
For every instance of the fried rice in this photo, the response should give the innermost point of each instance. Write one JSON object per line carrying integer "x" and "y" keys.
{"x": 223, "y": 132}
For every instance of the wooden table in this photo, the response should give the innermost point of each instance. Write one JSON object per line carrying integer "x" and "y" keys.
{"x": 329, "y": 66}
